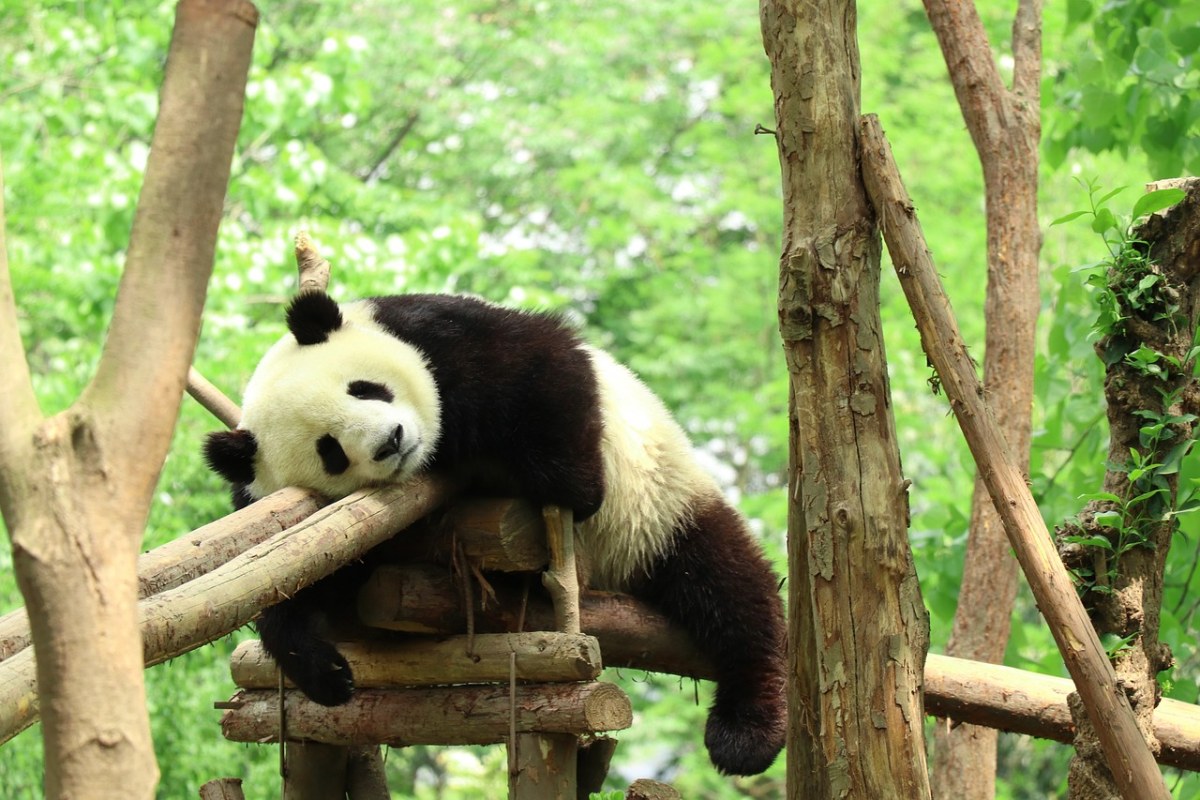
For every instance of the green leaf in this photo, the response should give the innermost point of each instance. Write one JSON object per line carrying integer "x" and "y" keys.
{"x": 1069, "y": 217}
{"x": 1156, "y": 201}
{"x": 1109, "y": 519}
{"x": 1110, "y": 195}
{"x": 1105, "y": 221}
{"x": 1095, "y": 540}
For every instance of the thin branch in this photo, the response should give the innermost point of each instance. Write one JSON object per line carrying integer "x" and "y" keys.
{"x": 212, "y": 399}
{"x": 401, "y": 134}
{"x": 973, "y": 72}
{"x": 1027, "y": 51}
{"x": 140, "y": 378}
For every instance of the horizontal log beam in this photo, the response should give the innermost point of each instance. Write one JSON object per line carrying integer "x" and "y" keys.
{"x": 541, "y": 657}
{"x": 193, "y": 554}
{"x": 457, "y": 715}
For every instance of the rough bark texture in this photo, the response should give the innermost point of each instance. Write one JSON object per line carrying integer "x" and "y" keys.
{"x": 1123, "y": 745}
{"x": 1129, "y": 606}
{"x": 450, "y": 715}
{"x": 541, "y": 657}
{"x": 1005, "y": 126}
{"x": 75, "y": 489}
{"x": 858, "y": 630}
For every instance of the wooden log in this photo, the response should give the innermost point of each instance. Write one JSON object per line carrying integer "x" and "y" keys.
{"x": 1019, "y": 701}
{"x": 366, "y": 778}
{"x": 195, "y": 553}
{"x": 646, "y": 789}
{"x": 456, "y": 715}
{"x": 212, "y": 399}
{"x": 561, "y": 579}
{"x": 542, "y": 657}
{"x": 223, "y": 600}
{"x": 422, "y": 598}
{"x": 595, "y": 756}
{"x": 499, "y": 534}
{"x": 315, "y": 771}
{"x": 1125, "y": 749}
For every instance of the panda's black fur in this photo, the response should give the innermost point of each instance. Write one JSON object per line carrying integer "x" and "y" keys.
{"x": 520, "y": 391}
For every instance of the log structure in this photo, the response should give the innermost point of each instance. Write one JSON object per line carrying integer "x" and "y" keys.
{"x": 531, "y": 684}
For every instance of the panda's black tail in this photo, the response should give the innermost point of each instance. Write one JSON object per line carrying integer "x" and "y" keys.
{"x": 289, "y": 635}
{"x": 717, "y": 585}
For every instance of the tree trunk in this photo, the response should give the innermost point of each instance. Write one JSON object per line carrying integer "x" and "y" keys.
{"x": 1005, "y": 126}
{"x": 1127, "y": 600}
{"x": 857, "y": 628}
{"x": 75, "y": 488}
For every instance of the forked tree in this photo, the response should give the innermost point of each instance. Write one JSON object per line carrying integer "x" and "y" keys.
{"x": 75, "y": 487}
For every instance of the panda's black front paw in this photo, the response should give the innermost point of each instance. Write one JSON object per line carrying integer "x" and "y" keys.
{"x": 324, "y": 676}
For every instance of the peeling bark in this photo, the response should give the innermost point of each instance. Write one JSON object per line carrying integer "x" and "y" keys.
{"x": 857, "y": 628}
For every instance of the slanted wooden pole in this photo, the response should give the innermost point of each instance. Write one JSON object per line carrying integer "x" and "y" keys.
{"x": 1129, "y": 758}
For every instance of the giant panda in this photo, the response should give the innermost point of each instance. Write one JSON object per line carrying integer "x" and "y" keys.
{"x": 376, "y": 391}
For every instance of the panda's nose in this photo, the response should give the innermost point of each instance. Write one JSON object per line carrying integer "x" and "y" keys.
{"x": 392, "y": 446}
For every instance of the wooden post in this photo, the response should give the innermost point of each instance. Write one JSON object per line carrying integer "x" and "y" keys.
{"x": 543, "y": 766}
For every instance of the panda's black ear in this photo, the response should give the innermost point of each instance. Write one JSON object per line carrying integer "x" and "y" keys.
{"x": 312, "y": 316}
{"x": 230, "y": 454}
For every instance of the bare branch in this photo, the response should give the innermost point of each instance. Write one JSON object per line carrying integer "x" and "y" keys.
{"x": 212, "y": 399}
{"x": 140, "y": 379}
{"x": 973, "y": 72}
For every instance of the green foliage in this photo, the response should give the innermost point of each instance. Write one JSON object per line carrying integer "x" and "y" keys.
{"x": 1127, "y": 282}
{"x": 1131, "y": 84}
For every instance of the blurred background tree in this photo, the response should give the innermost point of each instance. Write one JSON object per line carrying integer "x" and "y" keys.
{"x": 598, "y": 159}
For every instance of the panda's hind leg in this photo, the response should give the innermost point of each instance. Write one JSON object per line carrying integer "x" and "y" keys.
{"x": 716, "y": 583}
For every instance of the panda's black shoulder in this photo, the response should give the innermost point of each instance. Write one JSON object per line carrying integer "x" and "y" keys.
{"x": 443, "y": 323}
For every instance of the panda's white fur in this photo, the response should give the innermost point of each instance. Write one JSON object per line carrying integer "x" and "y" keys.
{"x": 298, "y": 393}
{"x": 652, "y": 480}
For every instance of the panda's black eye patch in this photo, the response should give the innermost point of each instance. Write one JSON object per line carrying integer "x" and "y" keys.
{"x": 370, "y": 390}
{"x": 333, "y": 457}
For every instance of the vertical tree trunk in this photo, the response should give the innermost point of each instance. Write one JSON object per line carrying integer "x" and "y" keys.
{"x": 1005, "y": 126}
{"x": 1129, "y": 604}
{"x": 857, "y": 626}
{"x": 75, "y": 489}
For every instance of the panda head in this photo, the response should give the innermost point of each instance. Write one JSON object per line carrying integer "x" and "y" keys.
{"x": 336, "y": 405}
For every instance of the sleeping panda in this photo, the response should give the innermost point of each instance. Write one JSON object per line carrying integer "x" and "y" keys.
{"x": 376, "y": 391}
